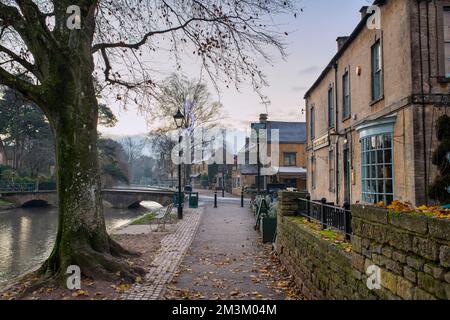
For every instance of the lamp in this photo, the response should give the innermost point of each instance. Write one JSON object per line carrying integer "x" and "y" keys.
{"x": 179, "y": 119}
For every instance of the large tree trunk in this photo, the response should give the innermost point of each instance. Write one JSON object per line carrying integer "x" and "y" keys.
{"x": 82, "y": 238}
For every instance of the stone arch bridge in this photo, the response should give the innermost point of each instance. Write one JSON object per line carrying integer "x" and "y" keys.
{"x": 117, "y": 198}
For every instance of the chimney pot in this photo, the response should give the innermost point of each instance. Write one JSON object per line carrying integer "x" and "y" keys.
{"x": 363, "y": 11}
{"x": 263, "y": 117}
{"x": 341, "y": 41}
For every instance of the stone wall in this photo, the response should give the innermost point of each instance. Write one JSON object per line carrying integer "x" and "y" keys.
{"x": 412, "y": 252}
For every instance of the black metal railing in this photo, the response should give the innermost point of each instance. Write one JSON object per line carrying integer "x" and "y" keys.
{"x": 328, "y": 215}
{"x": 7, "y": 186}
{"x": 16, "y": 187}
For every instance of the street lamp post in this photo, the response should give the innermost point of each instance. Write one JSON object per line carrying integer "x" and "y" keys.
{"x": 179, "y": 121}
{"x": 258, "y": 127}
{"x": 258, "y": 164}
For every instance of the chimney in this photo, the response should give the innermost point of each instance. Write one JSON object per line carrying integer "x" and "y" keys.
{"x": 340, "y": 42}
{"x": 363, "y": 11}
{"x": 263, "y": 117}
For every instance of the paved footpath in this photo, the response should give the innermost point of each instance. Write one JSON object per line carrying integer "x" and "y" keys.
{"x": 165, "y": 264}
{"x": 227, "y": 260}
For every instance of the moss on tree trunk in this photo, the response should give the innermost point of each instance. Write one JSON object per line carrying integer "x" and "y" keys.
{"x": 82, "y": 238}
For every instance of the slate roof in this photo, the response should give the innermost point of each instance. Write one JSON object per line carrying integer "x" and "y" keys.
{"x": 290, "y": 132}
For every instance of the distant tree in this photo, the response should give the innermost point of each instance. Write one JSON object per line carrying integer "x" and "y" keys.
{"x": 162, "y": 146}
{"x": 113, "y": 163}
{"x": 26, "y": 132}
{"x": 106, "y": 117}
{"x": 133, "y": 148}
{"x": 144, "y": 170}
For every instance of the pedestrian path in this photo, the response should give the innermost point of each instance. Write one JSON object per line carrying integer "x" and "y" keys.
{"x": 173, "y": 248}
{"x": 227, "y": 260}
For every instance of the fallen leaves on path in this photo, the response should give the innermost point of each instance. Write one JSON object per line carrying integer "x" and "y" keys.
{"x": 256, "y": 276}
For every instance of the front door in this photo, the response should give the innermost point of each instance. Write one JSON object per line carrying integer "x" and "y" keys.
{"x": 347, "y": 176}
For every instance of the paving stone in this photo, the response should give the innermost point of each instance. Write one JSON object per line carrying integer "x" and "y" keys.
{"x": 173, "y": 249}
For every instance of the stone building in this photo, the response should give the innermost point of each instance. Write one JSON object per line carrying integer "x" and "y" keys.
{"x": 291, "y": 168}
{"x": 372, "y": 112}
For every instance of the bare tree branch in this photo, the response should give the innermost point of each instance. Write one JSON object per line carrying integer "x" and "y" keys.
{"x": 29, "y": 90}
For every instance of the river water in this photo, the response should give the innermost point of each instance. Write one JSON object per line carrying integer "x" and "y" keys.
{"x": 27, "y": 235}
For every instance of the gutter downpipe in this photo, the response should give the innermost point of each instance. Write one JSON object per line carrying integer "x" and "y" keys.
{"x": 424, "y": 140}
{"x": 336, "y": 121}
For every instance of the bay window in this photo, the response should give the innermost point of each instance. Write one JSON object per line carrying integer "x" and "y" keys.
{"x": 377, "y": 169}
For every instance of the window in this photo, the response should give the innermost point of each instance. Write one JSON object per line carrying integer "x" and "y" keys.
{"x": 331, "y": 172}
{"x": 330, "y": 107}
{"x": 290, "y": 159}
{"x": 290, "y": 183}
{"x": 237, "y": 182}
{"x": 346, "y": 95}
{"x": 376, "y": 71}
{"x": 377, "y": 168}
{"x": 446, "y": 25}
{"x": 312, "y": 124}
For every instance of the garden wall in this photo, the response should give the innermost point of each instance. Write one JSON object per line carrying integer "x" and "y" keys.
{"x": 412, "y": 252}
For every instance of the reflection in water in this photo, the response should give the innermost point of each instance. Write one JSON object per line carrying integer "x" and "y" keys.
{"x": 27, "y": 235}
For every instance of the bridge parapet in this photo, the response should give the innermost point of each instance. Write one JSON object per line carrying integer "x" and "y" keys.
{"x": 118, "y": 198}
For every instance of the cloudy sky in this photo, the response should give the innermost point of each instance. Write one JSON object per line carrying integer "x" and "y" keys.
{"x": 311, "y": 45}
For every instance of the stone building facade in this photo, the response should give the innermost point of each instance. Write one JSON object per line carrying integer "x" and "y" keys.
{"x": 371, "y": 114}
{"x": 290, "y": 170}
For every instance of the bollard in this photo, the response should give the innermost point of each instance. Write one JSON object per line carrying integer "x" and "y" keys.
{"x": 242, "y": 198}
{"x": 215, "y": 199}
{"x": 223, "y": 193}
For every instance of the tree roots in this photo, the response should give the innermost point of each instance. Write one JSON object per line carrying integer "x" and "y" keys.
{"x": 108, "y": 266}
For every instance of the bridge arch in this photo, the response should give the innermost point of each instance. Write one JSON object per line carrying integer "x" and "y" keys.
{"x": 128, "y": 199}
{"x": 135, "y": 205}
{"x": 31, "y": 199}
{"x": 35, "y": 203}
{"x": 117, "y": 198}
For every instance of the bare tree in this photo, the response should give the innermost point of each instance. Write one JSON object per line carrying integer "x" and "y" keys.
{"x": 192, "y": 98}
{"x": 40, "y": 40}
{"x": 162, "y": 145}
{"x": 133, "y": 147}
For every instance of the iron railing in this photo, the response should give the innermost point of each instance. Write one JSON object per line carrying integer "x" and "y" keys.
{"x": 16, "y": 187}
{"x": 328, "y": 215}
{"x": 7, "y": 186}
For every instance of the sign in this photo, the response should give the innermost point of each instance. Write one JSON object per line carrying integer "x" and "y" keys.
{"x": 259, "y": 126}
{"x": 321, "y": 142}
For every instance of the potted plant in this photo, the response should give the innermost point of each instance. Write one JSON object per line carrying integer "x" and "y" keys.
{"x": 268, "y": 223}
